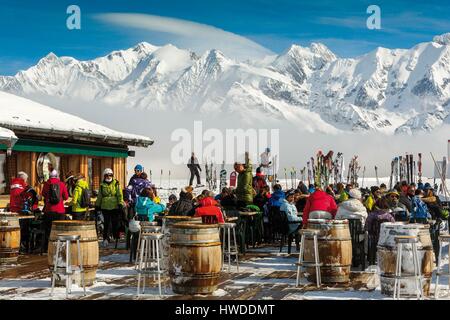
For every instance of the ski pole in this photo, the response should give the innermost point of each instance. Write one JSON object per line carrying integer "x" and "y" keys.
{"x": 364, "y": 173}
{"x": 160, "y": 178}
{"x": 169, "y": 179}
{"x": 285, "y": 178}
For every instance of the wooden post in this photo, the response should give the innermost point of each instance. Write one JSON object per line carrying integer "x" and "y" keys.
{"x": 33, "y": 174}
{"x": 84, "y": 167}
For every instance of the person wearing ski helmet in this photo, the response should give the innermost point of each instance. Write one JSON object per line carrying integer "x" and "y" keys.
{"x": 137, "y": 183}
{"x": 110, "y": 203}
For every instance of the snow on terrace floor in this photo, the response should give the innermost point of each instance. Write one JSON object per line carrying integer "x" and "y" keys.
{"x": 264, "y": 274}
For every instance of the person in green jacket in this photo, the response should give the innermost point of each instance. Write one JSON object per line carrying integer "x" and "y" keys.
{"x": 78, "y": 210}
{"x": 110, "y": 203}
{"x": 244, "y": 189}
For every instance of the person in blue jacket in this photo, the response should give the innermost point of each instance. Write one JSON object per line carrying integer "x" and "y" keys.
{"x": 146, "y": 208}
{"x": 277, "y": 197}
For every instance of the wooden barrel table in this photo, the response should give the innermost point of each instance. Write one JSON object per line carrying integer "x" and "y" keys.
{"x": 167, "y": 223}
{"x": 335, "y": 250}
{"x": 88, "y": 243}
{"x": 387, "y": 255}
{"x": 9, "y": 237}
{"x": 195, "y": 258}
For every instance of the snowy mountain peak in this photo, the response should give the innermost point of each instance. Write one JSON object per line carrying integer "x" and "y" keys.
{"x": 49, "y": 58}
{"x": 321, "y": 49}
{"x": 144, "y": 47}
{"x": 443, "y": 39}
{"x": 388, "y": 90}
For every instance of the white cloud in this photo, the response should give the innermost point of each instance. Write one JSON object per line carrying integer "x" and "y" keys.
{"x": 191, "y": 35}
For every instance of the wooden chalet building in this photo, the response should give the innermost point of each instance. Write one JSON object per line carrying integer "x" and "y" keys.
{"x": 35, "y": 138}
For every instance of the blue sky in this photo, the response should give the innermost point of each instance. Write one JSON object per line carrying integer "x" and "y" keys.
{"x": 30, "y": 29}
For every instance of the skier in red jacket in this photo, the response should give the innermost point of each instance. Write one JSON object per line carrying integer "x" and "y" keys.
{"x": 319, "y": 205}
{"x": 55, "y": 193}
{"x": 63, "y": 194}
{"x": 22, "y": 197}
{"x": 18, "y": 185}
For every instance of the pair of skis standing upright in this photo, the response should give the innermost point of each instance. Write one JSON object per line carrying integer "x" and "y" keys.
{"x": 404, "y": 168}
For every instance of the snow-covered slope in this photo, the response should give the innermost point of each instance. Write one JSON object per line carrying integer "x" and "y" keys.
{"x": 388, "y": 90}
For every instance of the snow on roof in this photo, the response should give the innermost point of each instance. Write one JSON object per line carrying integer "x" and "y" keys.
{"x": 19, "y": 113}
{"x": 6, "y": 134}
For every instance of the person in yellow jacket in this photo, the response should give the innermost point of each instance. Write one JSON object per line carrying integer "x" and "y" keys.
{"x": 110, "y": 203}
{"x": 375, "y": 194}
{"x": 80, "y": 195}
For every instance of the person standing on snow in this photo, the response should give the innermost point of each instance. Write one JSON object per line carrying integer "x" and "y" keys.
{"x": 195, "y": 169}
{"x": 80, "y": 201}
{"x": 54, "y": 193}
{"x": 23, "y": 199}
{"x": 138, "y": 182}
{"x": 266, "y": 162}
{"x": 110, "y": 203}
{"x": 244, "y": 189}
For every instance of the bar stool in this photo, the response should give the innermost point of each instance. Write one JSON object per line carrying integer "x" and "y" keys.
{"x": 149, "y": 262}
{"x": 310, "y": 233}
{"x": 400, "y": 241}
{"x": 229, "y": 248}
{"x": 442, "y": 239}
{"x": 67, "y": 269}
{"x": 148, "y": 227}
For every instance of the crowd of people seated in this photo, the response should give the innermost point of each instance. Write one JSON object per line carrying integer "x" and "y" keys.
{"x": 139, "y": 200}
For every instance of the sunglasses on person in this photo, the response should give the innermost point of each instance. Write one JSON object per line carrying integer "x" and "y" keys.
{"x": 109, "y": 175}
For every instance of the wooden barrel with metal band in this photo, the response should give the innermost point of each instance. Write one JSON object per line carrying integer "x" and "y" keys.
{"x": 167, "y": 223}
{"x": 88, "y": 243}
{"x": 9, "y": 238}
{"x": 195, "y": 258}
{"x": 387, "y": 257}
{"x": 335, "y": 250}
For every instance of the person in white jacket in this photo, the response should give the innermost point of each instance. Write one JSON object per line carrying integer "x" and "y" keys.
{"x": 352, "y": 208}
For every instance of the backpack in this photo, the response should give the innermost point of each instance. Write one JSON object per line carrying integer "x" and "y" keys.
{"x": 420, "y": 209}
{"x": 54, "y": 194}
{"x": 85, "y": 199}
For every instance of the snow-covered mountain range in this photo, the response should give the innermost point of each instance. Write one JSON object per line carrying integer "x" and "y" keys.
{"x": 389, "y": 90}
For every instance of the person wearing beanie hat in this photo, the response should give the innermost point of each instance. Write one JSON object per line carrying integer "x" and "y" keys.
{"x": 54, "y": 174}
{"x": 259, "y": 180}
{"x": 355, "y": 194}
{"x": 352, "y": 208}
{"x": 110, "y": 203}
{"x": 54, "y": 193}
